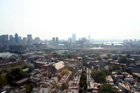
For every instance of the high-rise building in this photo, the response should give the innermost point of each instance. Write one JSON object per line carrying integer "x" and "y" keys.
{"x": 46, "y": 41}
{"x": 69, "y": 39}
{"x": 89, "y": 37}
{"x": 11, "y": 39}
{"x": 1, "y": 40}
{"x": 57, "y": 40}
{"x": 73, "y": 37}
{"x": 53, "y": 39}
{"x": 30, "y": 39}
{"x": 4, "y": 39}
{"x": 16, "y": 38}
{"x": 70, "y": 42}
{"x": 80, "y": 39}
{"x": 37, "y": 40}
{"x": 19, "y": 39}
{"x": 24, "y": 41}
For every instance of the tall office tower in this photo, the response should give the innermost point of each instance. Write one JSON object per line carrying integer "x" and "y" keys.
{"x": 53, "y": 39}
{"x": 19, "y": 39}
{"x": 73, "y": 37}
{"x": 37, "y": 40}
{"x": 24, "y": 41}
{"x": 89, "y": 37}
{"x": 30, "y": 39}
{"x": 69, "y": 39}
{"x": 70, "y": 42}
{"x": 16, "y": 38}
{"x": 11, "y": 39}
{"x": 1, "y": 40}
{"x": 57, "y": 40}
{"x": 4, "y": 39}
{"x": 80, "y": 39}
{"x": 46, "y": 41}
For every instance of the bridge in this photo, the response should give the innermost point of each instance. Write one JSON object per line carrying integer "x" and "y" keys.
{"x": 52, "y": 49}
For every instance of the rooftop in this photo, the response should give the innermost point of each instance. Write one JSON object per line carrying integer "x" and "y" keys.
{"x": 22, "y": 80}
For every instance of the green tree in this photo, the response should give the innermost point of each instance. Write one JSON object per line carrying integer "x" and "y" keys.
{"x": 16, "y": 74}
{"x": 119, "y": 72}
{"x": 106, "y": 71}
{"x": 115, "y": 58}
{"x": 128, "y": 56}
{"x": 1, "y": 58}
{"x": 24, "y": 67}
{"x": 59, "y": 76}
{"x": 31, "y": 68}
{"x": 2, "y": 80}
{"x": 99, "y": 58}
{"x": 10, "y": 78}
{"x": 99, "y": 76}
{"x": 55, "y": 85}
{"x": 83, "y": 80}
{"x": 115, "y": 68}
{"x": 123, "y": 60}
{"x": 65, "y": 71}
{"x": 96, "y": 67}
{"x": 108, "y": 89}
{"x": 29, "y": 87}
{"x": 109, "y": 55}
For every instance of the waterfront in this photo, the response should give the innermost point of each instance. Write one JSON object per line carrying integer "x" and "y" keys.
{"x": 6, "y": 54}
{"x": 108, "y": 43}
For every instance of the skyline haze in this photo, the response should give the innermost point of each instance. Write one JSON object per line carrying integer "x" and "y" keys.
{"x": 46, "y": 19}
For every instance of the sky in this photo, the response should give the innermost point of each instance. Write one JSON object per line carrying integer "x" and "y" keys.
{"x": 102, "y": 19}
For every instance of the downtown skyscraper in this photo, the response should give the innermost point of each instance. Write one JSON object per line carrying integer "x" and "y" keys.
{"x": 73, "y": 37}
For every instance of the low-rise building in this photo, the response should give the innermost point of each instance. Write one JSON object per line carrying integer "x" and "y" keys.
{"x": 109, "y": 80}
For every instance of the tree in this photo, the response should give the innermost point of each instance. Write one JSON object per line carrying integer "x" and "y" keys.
{"x": 109, "y": 55}
{"x": 16, "y": 74}
{"x": 10, "y": 78}
{"x": 115, "y": 68}
{"x": 64, "y": 86}
{"x": 96, "y": 67}
{"x": 29, "y": 87}
{"x": 106, "y": 71}
{"x": 99, "y": 58}
{"x": 66, "y": 67}
{"x": 119, "y": 72}
{"x": 1, "y": 58}
{"x": 2, "y": 80}
{"x": 115, "y": 58}
{"x": 83, "y": 80}
{"x": 108, "y": 89}
{"x": 65, "y": 71}
{"x": 59, "y": 76}
{"x": 55, "y": 85}
{"x": 123, "y": 60}
{"x": 99, "y": 76}
{"x": 24, "y": 67}
{"x": 128, "y": 56}
{"x": 31, "y": 68}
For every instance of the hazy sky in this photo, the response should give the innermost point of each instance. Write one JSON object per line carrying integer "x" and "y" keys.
{"x": 103, "y": 19}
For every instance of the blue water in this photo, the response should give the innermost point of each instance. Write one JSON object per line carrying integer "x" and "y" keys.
{"x": 6, "y": 54}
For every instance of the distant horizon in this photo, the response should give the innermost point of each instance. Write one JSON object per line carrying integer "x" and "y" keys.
{"x": 100, "y": 40}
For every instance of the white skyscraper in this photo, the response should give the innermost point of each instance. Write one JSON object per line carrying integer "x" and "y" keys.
{"x": 73, "y": 37}
{"x": 89, "y": 37}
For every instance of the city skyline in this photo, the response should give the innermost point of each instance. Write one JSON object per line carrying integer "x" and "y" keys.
{"x": 47, "y": 19}
{"x": 73, "y": 36}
